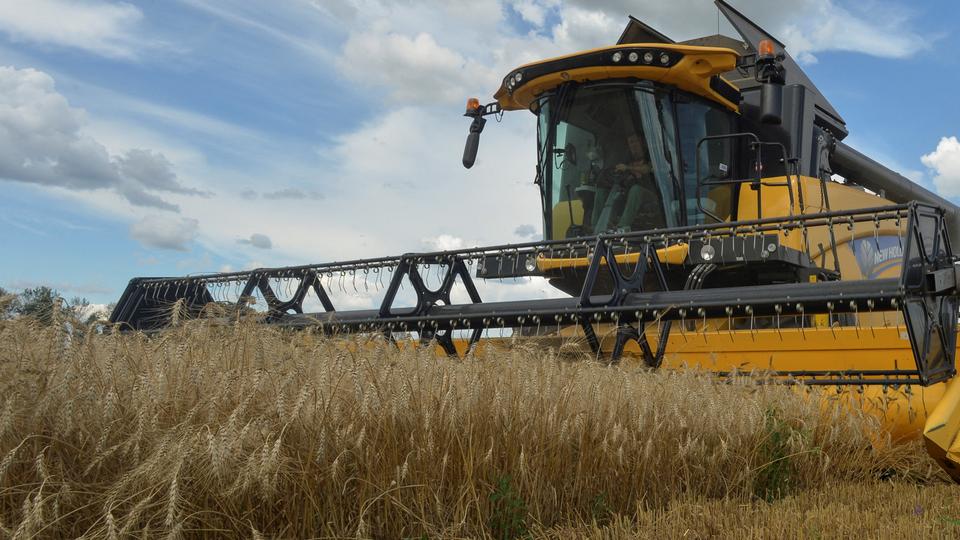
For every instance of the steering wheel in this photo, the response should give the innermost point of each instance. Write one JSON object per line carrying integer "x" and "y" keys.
{"x": 610, "y": 177}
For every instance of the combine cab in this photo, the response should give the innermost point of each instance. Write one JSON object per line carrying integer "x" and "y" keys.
{"x": 691, "y": 213}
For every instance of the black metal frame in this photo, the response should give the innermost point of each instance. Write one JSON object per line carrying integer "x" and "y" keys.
{"x": 276, "y": 307}
{"x": 926, "y": 292}
{"x": 427, "y": 298}
{"x": 605, "y": 255}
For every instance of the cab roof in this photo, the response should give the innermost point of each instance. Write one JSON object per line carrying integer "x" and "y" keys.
{"x": 694, "y": 69}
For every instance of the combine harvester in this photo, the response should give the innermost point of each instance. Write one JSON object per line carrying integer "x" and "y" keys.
{"x": 693, "y": 213}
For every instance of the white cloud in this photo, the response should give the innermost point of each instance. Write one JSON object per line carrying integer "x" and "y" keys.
{"x": 416, "y": 178}
{"x": 398, "y": 148}
{"x": 945, "y": 163}
{"x": 451, "y": 17}
{"x": 828, "y": 27}
{"x": 392, "y": 183}
{"x": 413, "y": 68}
{"x": 417, "y": 59}
{"x": 151, "y": 169}
{"x": 277, "y": 23}
{"x": 42, "y": 141}
{"x": 420, "y": 59}
{"x": 581, "y": 28}
{"x": 292, "y": 193}
{"x": 444, "y": 242}
{"x": 257, "y": 240}
{"x": 807, "y": 27}
{"x": 165, "y": 232}
{"x": 527, "y": 231}
{"x": 525, "y": 288}
{"x": 534, "y": 11}
{"x": 181, "y": 119}
{"x": 104, "y": 28}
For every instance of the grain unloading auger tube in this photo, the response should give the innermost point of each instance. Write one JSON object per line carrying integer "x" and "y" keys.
{"x": 624, "y": 287}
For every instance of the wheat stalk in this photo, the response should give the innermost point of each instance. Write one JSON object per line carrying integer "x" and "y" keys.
{"x": 256, "y": 431}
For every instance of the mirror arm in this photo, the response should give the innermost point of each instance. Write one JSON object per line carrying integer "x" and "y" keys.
{"x": 485, "y": 110}
{"x": 477, "y": 125}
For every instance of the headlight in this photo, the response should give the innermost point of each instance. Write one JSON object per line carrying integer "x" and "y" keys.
{"x": 633, "y": 57}
{"x": 530, "y": 264}
{"x": 617, "y": 56}
{"x": 664, "y": 58}
{"x": 648, "y": 57}
{"x": 707, "y": 252}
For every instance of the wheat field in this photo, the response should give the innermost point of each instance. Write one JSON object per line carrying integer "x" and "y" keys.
{"x": 248, "y": 431}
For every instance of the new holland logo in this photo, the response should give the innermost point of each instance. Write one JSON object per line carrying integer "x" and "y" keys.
{"x": 876, "y": 255}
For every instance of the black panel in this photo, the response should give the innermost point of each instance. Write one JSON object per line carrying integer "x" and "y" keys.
{"x": 753, "y": 34}
{"x": 638, "y": 32}
{"x": 725, "y": 89}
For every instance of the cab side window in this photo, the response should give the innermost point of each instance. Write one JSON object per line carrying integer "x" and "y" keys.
{"x": 697, "y": 119}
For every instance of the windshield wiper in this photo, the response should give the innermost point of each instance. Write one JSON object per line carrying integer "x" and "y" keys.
{"x": 666, "y": 149}
{"x": 564, "y": 99}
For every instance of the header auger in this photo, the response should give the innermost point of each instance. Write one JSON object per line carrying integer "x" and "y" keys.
{"x": 692, "y": 215}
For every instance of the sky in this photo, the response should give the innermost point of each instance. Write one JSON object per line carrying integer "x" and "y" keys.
{"x": 187, "y": 136}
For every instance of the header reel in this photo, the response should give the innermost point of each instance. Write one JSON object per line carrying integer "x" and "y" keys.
{"x": 640, "y": 299}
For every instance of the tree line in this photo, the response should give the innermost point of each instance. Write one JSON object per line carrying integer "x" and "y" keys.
{"x": 41, "y": 303}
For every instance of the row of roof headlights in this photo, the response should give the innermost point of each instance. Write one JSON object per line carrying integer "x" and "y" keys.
{"x": 633, "y": 57}
{"x": 617, "y": 57}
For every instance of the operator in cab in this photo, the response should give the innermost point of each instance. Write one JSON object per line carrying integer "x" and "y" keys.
{"x": 625, "y": 195}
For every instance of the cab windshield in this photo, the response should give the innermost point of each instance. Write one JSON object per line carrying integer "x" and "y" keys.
{"x": 608, "y": 159}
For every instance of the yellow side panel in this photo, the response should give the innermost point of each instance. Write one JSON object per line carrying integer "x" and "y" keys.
{"x": 674, "y": 254}
{"x": 561, "y": 216}
{"x": 903, "y": 411}
{"x": 942, "y": 430}
{"x": 817, "y": 241}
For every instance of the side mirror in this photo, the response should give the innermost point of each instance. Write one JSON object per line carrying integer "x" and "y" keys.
{"x": 475, "y": 111}
{"x": 473, "y": 142}
{"x": 771, "y": 76}
{"x": 771, "y": 103}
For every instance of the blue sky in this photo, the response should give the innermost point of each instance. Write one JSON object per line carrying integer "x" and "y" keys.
{"x": 163, "y": 138}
